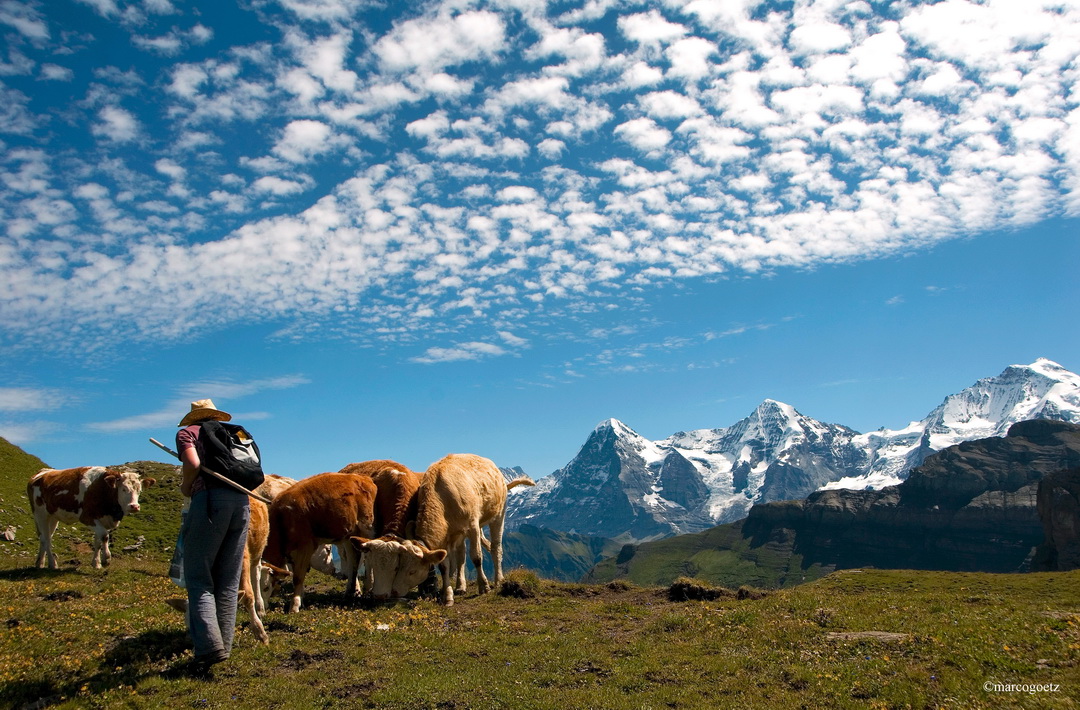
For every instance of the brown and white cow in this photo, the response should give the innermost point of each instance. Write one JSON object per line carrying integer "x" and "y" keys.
{"x": 460, "y": 494}
{"x": 325, "y": 508}
{"x": 96, "y": 496}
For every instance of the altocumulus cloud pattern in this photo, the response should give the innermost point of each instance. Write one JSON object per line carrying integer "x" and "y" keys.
{"x": 378, "y": 168}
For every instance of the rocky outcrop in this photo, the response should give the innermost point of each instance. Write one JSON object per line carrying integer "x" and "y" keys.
{"x": 970, "y": 507}
{"x": 1059, "y": 511}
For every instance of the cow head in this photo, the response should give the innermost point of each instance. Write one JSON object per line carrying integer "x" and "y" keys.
{"x": 271, "y": 577}
{"x": 396, "y": 565}
{"x": 128, "y": 487}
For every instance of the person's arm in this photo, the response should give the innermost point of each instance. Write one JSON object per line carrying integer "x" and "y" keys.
{"x": 189, "y": 457}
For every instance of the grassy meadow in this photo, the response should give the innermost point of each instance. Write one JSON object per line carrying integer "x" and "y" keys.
{"x": 84, "y": 638}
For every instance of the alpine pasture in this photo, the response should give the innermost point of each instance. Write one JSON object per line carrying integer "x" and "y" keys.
{"x": 78, "y": 637}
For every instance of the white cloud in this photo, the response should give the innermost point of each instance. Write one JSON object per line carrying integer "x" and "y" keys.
{"x": 434, "y": 43}
{"x": 55, "y": 72}
{"x": 819, "y": 37}
{"x": 24, "y": 18}
{"x": 224, "y": 393}
{"x": 117, "y": 125}
{"x": 644, "y": 134}
{"x": 30, "y": 399}
{"x": 105, "y": 8}
{"x": 650, "y": 28}
{"x": 271, "y": 184}
{"x": 303, "y": 140}
{"x": 461, "y": 351}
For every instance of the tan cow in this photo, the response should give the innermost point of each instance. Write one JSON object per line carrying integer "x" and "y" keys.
{"x": 396, "y": 565}
{"x": 460, "y": 494}
{"x": 95, "y": 496}
{"x": 326, "y": 508}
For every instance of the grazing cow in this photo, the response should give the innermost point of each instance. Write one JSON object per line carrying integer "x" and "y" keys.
{"x": 95, "y": 496}
{"x": 395, "y": 503}
{"x": 396, "y": 564}
{"x": 328, "y": 507}
{"x": 460, "y": 494}
{"x": 323, "y": 559}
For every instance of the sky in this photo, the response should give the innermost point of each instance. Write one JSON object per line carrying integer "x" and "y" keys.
{"x": 399, "y": 230}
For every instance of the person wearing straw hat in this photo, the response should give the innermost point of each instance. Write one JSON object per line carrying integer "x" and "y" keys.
{"x": 214, "y": 535}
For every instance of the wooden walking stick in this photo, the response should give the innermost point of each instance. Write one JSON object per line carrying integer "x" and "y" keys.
{"x": 215, "y": 474}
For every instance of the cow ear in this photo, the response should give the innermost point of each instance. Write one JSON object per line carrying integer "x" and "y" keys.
{"x": 112, "y": 481}
{"x": 275, "y": 569}
{"x": 360, "y": 543}
{"x": 434, "y": 557}
{"x": 149, "y": 482}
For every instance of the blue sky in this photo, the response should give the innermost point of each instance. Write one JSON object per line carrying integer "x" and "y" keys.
{"x": 487, "y": 226}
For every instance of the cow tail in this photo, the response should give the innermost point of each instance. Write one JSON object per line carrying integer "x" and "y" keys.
{"x": 520, "y": 481}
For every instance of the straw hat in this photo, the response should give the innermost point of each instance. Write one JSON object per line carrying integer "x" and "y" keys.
{"x": 204, "y": 409}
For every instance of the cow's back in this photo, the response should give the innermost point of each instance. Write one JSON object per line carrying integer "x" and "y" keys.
{"x": 61, "y": 492}
{"x": 273, "y": 485}
{"x": 396, "y": 499}
{"x": 328, "y": 505}
{"x": 455, "y": 490}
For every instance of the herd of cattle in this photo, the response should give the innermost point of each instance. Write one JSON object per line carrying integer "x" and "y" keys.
{"x": 397, "y": 523}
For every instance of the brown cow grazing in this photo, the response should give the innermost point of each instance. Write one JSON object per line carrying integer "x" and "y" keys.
{"x": 95, "y": 496}
{"x": 462, "y": 493}
{"x": 322, "y": 560}
{"x": 328, "y": 507}
{"x": 395, "y": 503}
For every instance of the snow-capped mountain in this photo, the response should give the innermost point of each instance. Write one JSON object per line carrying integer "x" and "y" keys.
{"x": 1041, "y": 390}
{"x": 622, "y": 485}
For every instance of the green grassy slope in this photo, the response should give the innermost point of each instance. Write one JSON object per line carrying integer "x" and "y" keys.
{"x": 82, "y": 638}
{"x": 158, "y": 522}
{"x": 719, "y": 555}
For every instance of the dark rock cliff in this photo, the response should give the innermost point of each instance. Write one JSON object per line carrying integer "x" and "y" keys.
{"x": 970, "y": 507}
{"x": 1059, "y": 511}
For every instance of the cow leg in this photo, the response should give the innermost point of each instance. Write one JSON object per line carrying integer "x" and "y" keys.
{"x": 476, "y": 552}
{"x": 495, "y": 528}
{"x": 255, "y": 580}
{"x": 101, "y": 547}
{"x": 350, "y": 559}
{"x": 46, "y": 526}
{"x": 301, "y": 561}
{"x": 461, "y": 584}
{"x": 447, "y": 587}
{"x": 106, "y": 552}
{"x": 248, "y": 596}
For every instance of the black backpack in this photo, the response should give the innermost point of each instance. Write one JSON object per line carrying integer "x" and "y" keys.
{"x": 231, "y": 451}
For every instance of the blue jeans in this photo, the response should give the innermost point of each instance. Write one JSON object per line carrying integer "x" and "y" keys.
{"x": 214, "y": 541}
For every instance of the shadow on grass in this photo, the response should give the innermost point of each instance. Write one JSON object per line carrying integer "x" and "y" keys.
{"x": 23, "y": 573}
{"x": 131, "y": 659}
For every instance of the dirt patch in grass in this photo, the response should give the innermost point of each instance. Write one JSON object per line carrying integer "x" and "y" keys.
{"x": 883, "y": 636}
{"x": 301, "y": 659}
